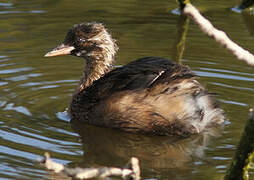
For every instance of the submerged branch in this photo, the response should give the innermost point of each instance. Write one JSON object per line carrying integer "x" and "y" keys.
{"x": 132, "y": 171}
{"x": 221, "y": 37}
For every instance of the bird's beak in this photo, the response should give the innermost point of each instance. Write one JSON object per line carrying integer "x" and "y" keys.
{"x": 60, "y": 50}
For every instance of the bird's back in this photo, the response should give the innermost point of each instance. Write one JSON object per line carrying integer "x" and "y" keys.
{"x": 150, "y": 95}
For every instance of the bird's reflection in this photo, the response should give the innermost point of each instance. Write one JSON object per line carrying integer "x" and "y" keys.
{"x": 110, "y": 147}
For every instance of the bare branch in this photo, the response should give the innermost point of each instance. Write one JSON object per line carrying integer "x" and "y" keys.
{"x": 221, "y": 37}
{"x": 51, "y": 165}
{"x": 87, "y": 173}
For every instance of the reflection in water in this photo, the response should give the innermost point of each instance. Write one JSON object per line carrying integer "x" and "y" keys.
{"x": 248, "y": 18}
{"x": 154, "y": 152}
{"x": 182, "y": 29}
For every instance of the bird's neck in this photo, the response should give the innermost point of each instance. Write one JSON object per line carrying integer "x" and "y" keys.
{"x": 93, "y": 71}
{"x": 99, "y": 60}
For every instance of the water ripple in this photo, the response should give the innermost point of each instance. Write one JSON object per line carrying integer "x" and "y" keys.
{"x": 4, "y": 58}
{"x": 6, "y": 4}
{"x": 23, "y": 12}
{"x": 9, "y": 71}
{"x": 233, "y": 87}
{"x": 45, "y": 87}
{"x": 2, "y": 103}
{"x": 226, "y": 71}
{"x": 23, "y": 77}
{"x": 10, "y": 12}
{"x": 47, "y": 139}
{"x": 220, "y": 158}
{"x": 223, "y": 76}
{"x": 9, "y": 64}
{"x": 233, "y": 102}
{"x": 20, "y": 109}
{"x": 3, "y": 83}
{"x": 31, "y": 142}
{"x": 46, "y": 82}
{"x": 4, "y": 149}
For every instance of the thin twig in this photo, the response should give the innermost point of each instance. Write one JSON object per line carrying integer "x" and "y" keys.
{"x": 87, "y": 173}
{"x": 220, "y": 36}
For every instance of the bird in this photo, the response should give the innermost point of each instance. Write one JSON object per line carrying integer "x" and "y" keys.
{"x": 150, "y": 95}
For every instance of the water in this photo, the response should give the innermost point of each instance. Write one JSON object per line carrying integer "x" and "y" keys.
{"x": 35, "y": 91}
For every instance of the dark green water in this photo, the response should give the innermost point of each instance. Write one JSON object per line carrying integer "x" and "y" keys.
{"x": 34, "y": 91}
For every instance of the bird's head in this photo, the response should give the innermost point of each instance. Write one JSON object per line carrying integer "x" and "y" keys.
{"x": 88, "y": 40}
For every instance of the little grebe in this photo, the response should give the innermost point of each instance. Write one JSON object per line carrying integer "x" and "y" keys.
{"x": 150, "y": 95}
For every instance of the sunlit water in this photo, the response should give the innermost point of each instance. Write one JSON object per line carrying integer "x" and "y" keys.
{"x": 35, "y": 91}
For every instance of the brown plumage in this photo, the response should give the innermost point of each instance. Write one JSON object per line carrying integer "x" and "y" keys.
{"x": 150, "y": 95}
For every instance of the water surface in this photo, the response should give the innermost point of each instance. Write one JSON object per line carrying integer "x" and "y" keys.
{"x": 34, "y": 91}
